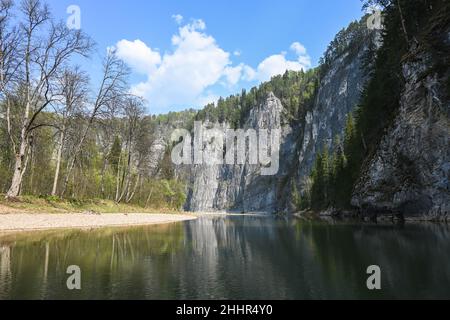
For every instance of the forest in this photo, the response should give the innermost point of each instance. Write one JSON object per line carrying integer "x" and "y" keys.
{"x": 409, "y": 27}
{"x": 63, "y": 135}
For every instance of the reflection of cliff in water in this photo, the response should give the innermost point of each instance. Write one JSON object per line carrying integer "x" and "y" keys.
{"x": 243, "y": 257}
{"x": 256, "y": 258}
{"x": 240, "y": 257}
{"x": 234, "y": 258}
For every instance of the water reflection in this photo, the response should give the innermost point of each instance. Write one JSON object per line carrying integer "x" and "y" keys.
{"x": 229, "y": 257}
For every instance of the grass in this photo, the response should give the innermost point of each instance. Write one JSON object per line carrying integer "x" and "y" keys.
{"x": 49, "y": 204}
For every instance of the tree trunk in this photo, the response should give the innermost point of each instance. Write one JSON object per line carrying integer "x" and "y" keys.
{"x": 116, "y": 197}
{"x": 125, "y": 185}
{"x": 130, "y": 197}
{"x": 16, "y": 182}
{"x": 74, "y": 158}
{"x": 149, "y": 197}
{"x": 102, "y": 183}
{"x": 58, "y": 160}
{"x": 19, "y": 168}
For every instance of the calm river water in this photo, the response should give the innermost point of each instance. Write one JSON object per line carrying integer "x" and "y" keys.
{"x": 237, "y": 257}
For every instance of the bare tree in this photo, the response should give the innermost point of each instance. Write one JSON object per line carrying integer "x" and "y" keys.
{"x": 43, "y": 57}
{"x": 73, "y": 85}
{"x": 8, "y": 46}
{"x": 105, "y": 132}
{"x": 9, "y": 63}
{"x": 133, "y": 111}
{"x": 113, "y": 86}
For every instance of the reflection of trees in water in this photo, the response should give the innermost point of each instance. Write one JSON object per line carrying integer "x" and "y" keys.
{"x": 110, "y": 261}
{"x": 222, "y": 257}
{"x": 5, "y": 271}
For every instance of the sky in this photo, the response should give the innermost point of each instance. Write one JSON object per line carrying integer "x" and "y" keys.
{"x": 185, "y": 54}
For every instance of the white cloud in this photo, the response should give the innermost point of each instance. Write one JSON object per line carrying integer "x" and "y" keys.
{"x": 234, "y": 74}
{"x": 298, "y": 48}
{"x": 279, "y": 64}
{"x": 178, "y": 18}
{"x": 248, "y": 73}
{"x": 183, "y": 77}
{"x": 138, "y": 56}
{"x": 180, "y": 77}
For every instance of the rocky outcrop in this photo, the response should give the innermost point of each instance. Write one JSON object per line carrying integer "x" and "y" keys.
{"x": 410, "y": 171}
{"x": 338, "y": 96}
{"x": 161, "y": 132}
{"x": 241, "y": 187}
{"x": 408, "y": 174}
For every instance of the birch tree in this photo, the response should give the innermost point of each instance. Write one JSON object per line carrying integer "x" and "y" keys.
{"x": 73, "y": 85}
{"x": 133, "y": 110}
{"x": 44, "y": 49}
{"x": 9, "y": 41}
{"x": 112, "y": 86}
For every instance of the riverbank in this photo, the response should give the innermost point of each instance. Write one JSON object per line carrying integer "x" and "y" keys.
{"x": 31, "y": 222}
{"x": 32, "y": 204}
{"x": 333, "y": 214}
{"x": 45, "y": 213}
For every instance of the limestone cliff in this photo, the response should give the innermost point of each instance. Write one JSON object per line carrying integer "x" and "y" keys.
{"x": 410, "y": 171}
{"x": 407, "y": 173}
{"x": 241, "y": 187}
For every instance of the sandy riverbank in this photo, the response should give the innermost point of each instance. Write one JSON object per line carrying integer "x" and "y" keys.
{"x": 30, "y": 222}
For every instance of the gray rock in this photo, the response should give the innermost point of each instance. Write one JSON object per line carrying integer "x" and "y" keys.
{"x": 410, "y": 172}
{"x": 241, "y": 188}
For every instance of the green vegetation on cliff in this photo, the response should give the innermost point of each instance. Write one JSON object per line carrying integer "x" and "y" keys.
{"x": 296, "y": 91}
{"x": 410, "y": 26}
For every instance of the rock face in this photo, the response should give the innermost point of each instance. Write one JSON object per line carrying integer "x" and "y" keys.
{"x": 161, "y": 132}
{"x": 242, "y": 188}
{"x": 410, "y": 172}
{"x": 338, "y": 96}
{"x": 158, "y": 148}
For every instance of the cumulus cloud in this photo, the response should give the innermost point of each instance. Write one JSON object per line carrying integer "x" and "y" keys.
{"x": 279, "y": 64}
{"x": 140, "y": 57}
{"x": 183, "y": 77}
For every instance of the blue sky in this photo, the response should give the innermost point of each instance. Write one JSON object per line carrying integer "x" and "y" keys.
{"x": 187, "y": 53}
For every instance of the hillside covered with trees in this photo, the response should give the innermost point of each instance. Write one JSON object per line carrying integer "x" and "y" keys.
{"x": 410, "y": 28}
{"x": 63, "y": 135}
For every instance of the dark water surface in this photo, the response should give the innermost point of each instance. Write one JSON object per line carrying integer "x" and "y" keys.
{"x": 240, "y": 257}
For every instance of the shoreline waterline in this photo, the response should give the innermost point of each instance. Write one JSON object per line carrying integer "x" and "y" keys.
{"x": 25, "y": 222}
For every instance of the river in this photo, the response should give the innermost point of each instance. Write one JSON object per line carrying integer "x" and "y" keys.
{"x": 230, "y": 257}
